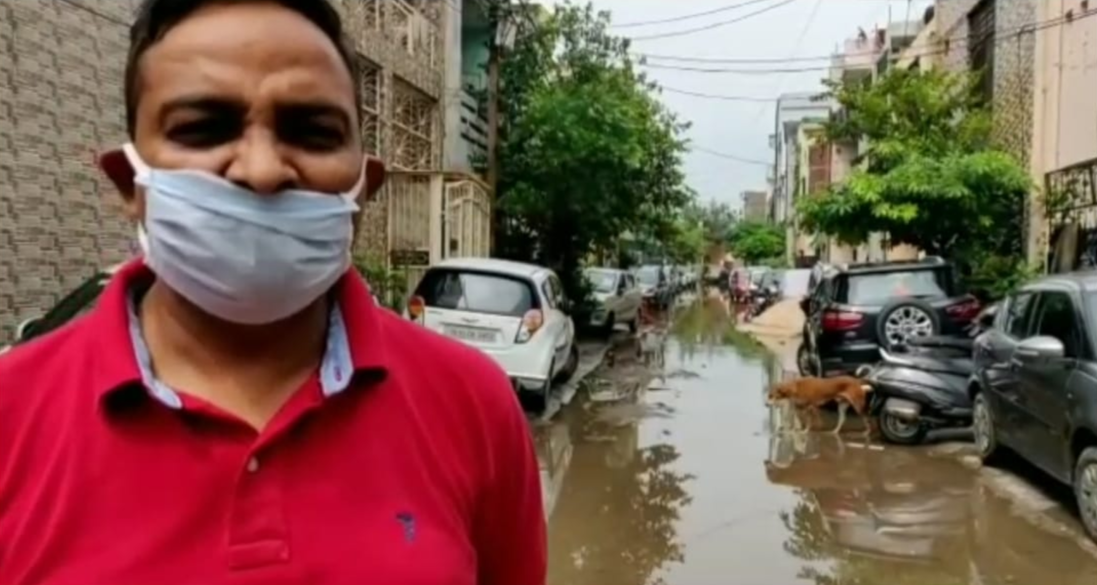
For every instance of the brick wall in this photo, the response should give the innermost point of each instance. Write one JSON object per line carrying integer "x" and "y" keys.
{"x": 61, "y": 100}
{"x": 1014, "y": 71}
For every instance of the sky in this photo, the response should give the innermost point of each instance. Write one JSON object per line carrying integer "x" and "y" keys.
{"x": 796, "y": 29}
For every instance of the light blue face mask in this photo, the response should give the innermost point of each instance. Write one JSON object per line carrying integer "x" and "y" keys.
{"x": 238, "y": 255}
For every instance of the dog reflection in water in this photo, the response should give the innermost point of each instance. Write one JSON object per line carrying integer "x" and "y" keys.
{"x": 812, "y": 394}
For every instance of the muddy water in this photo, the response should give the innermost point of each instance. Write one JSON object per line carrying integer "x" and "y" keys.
{"x": 671, "y": 474}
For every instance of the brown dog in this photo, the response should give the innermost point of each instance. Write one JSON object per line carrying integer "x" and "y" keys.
{"x": 813, "y": 393}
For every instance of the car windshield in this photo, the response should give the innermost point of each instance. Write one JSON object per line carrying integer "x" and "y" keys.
{"x": 477, "y": 292}
{"x": 880, "y": 288}
{"x": 602, "y": 280}
{"x": 648, "y": 275}
{"x": 757, "y": 275}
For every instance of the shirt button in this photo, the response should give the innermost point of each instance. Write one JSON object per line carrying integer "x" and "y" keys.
{"x": 253, "y": 465}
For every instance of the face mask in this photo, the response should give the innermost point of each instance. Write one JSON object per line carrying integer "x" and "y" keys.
{"x": 238, "y": 255}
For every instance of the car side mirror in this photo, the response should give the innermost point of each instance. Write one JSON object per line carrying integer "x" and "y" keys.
{"x": 1040, "y": 349}
{"x": 24, "y": 327}
{"x": 621, "y": 289}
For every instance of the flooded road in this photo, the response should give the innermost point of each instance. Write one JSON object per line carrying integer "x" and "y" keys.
{"x": 671, "y": 474}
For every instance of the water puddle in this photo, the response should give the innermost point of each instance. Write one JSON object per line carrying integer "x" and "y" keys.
{"x": 680, "y": 475}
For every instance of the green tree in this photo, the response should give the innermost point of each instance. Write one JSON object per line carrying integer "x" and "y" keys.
{"x": 757, "y": 242}
{"x": 587, "y": 153}
{"x": 930, "y": 177}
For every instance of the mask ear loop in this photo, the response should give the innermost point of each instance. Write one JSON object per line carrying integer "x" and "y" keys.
{"x": 356, "y": 191}
{"x": 141, "y": 171}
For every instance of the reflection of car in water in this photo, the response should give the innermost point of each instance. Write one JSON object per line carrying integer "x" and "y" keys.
{"x": 898, "y": 516}
{"x": 891, "y": 504}
{"x": 554, "y": 451}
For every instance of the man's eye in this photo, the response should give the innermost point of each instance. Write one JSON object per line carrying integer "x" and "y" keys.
{"x": 204, "y": 133}
{"x": 312, "y": 135}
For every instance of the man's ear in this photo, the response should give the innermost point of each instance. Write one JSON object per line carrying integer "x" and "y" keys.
{"x": 118, "y": 169}
{"x": 375, "y": 177}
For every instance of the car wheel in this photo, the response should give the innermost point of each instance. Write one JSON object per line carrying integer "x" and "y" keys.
{"x": 903, "y": 319}
{"x": 1085, "y": 489}
{"x": 538, "y": 399}
{"x": 805, "y": 362}
{"x": 982, "y": 426}
{"x": 571, "y": 367}
{"x": 901, "y": 432}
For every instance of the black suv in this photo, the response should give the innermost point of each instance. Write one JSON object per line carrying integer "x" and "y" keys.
{"x": 854, "y": 310}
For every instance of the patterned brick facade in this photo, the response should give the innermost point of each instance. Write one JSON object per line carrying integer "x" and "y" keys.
{"x": 1013, "y": 67}
{"x": 61, "y": 101}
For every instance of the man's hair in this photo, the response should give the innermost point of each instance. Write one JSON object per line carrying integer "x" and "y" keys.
{"x": 155, "y": 18}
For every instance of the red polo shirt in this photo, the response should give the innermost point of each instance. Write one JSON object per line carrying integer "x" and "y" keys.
{"x": 414, "y": 467}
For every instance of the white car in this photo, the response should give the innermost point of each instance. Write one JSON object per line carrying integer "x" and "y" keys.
{"x": 617, "y": 297}
{"x": 516, "y": 313}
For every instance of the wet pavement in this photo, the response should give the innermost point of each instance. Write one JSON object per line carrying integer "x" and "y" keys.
{"x": 668, "y": 472}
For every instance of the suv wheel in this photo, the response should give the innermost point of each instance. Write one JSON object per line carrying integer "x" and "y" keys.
{"x": 804, "y": 360}
{"x": 1085, "y": 489}
{"x": 904, "y": 319}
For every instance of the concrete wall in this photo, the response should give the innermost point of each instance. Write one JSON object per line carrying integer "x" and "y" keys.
{"x": 61, "y": 102}
{"x": 1065, "y": 122}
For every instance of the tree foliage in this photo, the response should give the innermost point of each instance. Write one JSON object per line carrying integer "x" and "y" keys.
{"x": 930, "y": 175}
{"x": 587, "y": 153}
{"x": 757, "y": 242}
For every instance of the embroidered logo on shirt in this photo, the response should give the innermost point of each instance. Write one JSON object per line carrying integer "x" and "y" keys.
{"x": 408, "y": 522}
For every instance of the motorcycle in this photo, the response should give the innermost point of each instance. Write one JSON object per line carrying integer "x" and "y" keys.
{"x": 923, "y": 385}
{"x": 761, "y": 299}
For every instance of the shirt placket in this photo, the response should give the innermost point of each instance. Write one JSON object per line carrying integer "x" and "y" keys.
{"x": 258, "y": 533}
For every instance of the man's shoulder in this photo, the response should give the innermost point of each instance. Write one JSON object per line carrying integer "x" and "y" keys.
{"x": 41, "y": 360}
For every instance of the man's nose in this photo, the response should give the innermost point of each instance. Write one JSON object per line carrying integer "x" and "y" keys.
{"x": 259, "y": 166}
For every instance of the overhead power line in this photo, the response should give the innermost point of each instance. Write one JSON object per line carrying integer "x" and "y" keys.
{"x": 713, "y": 25}
{"x": 717, "y": 153}
{"x": 808, "y": 59}
{"x": 995, "y": 37}
{"x": 688, "y": 16}
{"x": 729, "y": 98}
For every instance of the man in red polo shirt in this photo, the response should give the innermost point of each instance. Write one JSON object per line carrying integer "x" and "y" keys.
{"x": 237, "y": 410}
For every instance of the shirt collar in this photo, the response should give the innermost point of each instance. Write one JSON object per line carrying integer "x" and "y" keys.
{"x": 355, "y": 338}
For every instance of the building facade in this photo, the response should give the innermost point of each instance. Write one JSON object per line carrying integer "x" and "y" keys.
{"x": 1064, "y": 151}
{"x": 61, "y": 102}
{"x": 755, "y": 205}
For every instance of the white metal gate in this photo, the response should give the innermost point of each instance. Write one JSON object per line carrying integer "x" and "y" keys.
{"x": 466, "y": 207}
{"x": 412, "y": 224}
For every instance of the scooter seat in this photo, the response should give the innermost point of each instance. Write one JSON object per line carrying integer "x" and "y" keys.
{"x": 946, "y": 365}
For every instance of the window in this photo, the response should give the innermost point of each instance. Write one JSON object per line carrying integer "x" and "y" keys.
{"x": 550, "y": 297}
{"x": 1018, "y": 314}
{"x": 1057, "y": 318}
{"x": 981, "y": 25}
{"x": 558, "y": 297}
{"x": 603, "y": 281}
{"x": 880, "y": 288}
{"x": 477, "y": 292}
{"x": 650, "y": 275}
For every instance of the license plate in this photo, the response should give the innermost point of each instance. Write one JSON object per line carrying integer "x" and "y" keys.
{"x": 471, "y": 334}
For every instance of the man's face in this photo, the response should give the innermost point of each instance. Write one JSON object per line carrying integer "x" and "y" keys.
{"x": 252, "y": 92}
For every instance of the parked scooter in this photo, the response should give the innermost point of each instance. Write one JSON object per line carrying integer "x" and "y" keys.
{"x": 923, "y": 386}
{"x": 761, "y": 299}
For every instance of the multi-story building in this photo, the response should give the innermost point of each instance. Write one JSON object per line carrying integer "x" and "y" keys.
{"x": 792, "y": 110}
{"x": 755, "y": 205}
{"x": 997, "y": 40}
{"x": 61, "y": 102}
